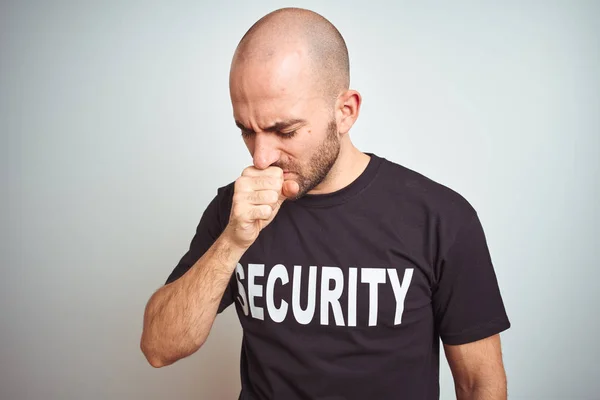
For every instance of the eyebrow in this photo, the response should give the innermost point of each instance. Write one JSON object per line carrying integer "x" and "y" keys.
{"x": 276, "y": 127}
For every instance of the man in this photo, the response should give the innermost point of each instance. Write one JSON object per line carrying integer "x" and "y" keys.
{"x": 345, "y": 268}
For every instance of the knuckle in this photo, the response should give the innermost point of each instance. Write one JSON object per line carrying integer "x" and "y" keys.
{"x": 256, "y": 197}
{"x": 262, "y": 181}
{"x": 247, "y": 171}
{"x": 241, "y": 184}
{"x": 266, "y": 211}
{"x": 278, "y": 177}
{"x": 239, "y": 199}
{"x": 276, "y": 172}
{"x": 268, "y": 182}
{"x": 255, "y": 213}
{"x": 237, "y": 211}
{"x": 274, "y": 182}
{"x": 263, "y": 196}
{"x": 272, "y": 196}
{"x": 237, "y": 184}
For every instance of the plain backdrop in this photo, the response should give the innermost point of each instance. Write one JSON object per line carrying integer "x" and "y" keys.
{"x": 117, "y": 130}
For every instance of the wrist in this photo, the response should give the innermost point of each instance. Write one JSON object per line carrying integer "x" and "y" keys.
{"x": 228, "y": 251}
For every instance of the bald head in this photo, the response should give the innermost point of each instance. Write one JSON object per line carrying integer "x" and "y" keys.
{"x": 299, "y": 35}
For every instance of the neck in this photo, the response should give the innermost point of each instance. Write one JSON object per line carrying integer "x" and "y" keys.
{"x": 350, "y": 163}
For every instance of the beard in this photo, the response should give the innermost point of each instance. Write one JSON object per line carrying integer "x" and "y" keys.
{"x": 319, "y": 165}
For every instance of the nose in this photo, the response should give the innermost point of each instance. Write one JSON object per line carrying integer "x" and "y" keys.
{"x": 265, "y": 150}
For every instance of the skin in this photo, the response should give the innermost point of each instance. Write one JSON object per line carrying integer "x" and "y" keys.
{"x": 296, "y": 130}
{"x": 478, "y": 370}
{"x": 281, "y": 91}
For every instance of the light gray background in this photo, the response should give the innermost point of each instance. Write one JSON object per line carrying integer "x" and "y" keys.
{"x": 117, "y": 130}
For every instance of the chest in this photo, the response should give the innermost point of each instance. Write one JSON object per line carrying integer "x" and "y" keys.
{"x": 316, "y": 270}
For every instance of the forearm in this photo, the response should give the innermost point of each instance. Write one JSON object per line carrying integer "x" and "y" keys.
{"x": 179, "y": 316}
{"x": 492, "y": 389}
{"x": 478, "y": 369}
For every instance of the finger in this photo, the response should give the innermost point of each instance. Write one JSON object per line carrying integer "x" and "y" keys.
{"x": 263, "y": 197}
{"x": 270, "y": 171}
{"x": 260, "y": 212}
{"x": 289, "y": 190}
{"x": 259, "y": 183}
{"x": 246, "y": 184}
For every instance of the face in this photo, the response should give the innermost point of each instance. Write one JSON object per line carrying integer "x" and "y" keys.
{"x": 284, "y": 120}
{"x": 311, "y": 169}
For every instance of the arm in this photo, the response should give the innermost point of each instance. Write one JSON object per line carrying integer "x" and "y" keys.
{"x": 470, "y": 315}
{"x": 477, "y": 369}
{"x": 179, "y": 316}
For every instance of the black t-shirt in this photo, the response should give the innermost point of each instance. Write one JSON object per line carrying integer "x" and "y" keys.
{"x": 346, "y": 295}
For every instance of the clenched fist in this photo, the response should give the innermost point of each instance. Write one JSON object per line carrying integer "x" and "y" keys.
{"x": 258, "y": 195}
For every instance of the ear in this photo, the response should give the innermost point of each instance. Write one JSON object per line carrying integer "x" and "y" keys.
{"x": 347, "y": 110}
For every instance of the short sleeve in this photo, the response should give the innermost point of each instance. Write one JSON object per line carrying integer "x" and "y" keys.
{"x": 208, "y": 230}
{"x": 467, "y": 302}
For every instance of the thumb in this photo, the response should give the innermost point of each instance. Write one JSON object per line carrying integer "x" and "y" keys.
{"x": 289, "y": 189}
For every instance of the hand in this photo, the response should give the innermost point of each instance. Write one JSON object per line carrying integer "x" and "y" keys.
{"x": 258, "y": 195}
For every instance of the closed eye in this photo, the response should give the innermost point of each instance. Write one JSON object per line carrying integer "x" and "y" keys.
{"x": 280, "y": 128}
{"x": 283, "y": 135}
{"x": 287, "y": 135}
{"x": 247, "y": 134}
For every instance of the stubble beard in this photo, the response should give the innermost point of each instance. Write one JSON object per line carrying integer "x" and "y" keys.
{"x": 320, "y": 163}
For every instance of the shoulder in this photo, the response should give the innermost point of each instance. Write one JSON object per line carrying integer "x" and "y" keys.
{"x": 416, "y": 201}
{"x": 420, "y": 192}
{"x": 409, "y": 182}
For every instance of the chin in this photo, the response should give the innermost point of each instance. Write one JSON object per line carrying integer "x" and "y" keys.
{"x": 298, "y": 196}
{"x": 305, "y": 189}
